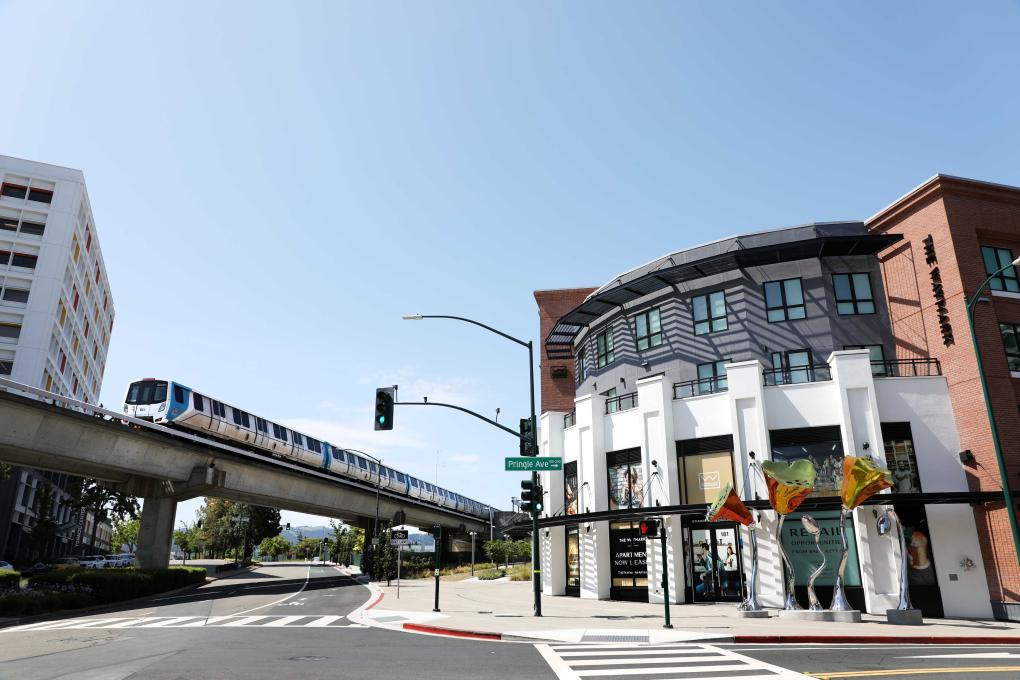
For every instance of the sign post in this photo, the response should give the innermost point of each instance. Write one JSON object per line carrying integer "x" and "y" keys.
{"x": 398, "y": 539}
{"x": 400, "y": 555}
{"x": 665, "y": 571}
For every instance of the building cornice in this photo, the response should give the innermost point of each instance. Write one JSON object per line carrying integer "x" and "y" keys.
{"x": 936, "y": 187}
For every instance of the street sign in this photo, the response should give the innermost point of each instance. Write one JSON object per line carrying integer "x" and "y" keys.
{"x": 399, "y": 534}
{"x": 521, "y": 464}
{"x": 395, "y": 542}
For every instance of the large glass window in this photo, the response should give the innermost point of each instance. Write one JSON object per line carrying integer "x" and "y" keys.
{"x": 900, "y": 457}
{"x": 784, "y": 300}
{"x": 581, "y": 364}
{"x": 709, "y": 312}
{"x": 877, "y": 357}
{"x": 573, "y": 560}
{"x": 1010, "y": 342}
{"x": 570, "y": 488}
{"x": 790, "y": 368}
{"x": 648, "y": 329}
{"x": 147, "y": 392}
{"x": 711, "y": 377}
{"x": 706, "y": 466}
{"x": 628, "y": 560}
{"x": 853, "y": 294}
{"x": 604, "y": 347}
{"x": 995, "y": 259}
{"x": 10, "y": 330}
{"x": 626, "y": 479}
{"x": 6, "y": 366}
{"x": 823, "y": 446}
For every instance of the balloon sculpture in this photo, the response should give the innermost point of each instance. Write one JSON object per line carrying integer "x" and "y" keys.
{"x": 788, "y": 484}
{"x": 811, "y": 526}
{"x": 862, "y": 478}
{"x": 886, "y": 522}
{"x": 728, "y": 506}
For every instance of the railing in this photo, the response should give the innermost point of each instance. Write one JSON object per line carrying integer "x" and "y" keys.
{"x": 906, "y": 368}
{"x": 621, "y": 403}
{"x": 694, "y": 388}
{"x": 569, "y": 419}
{"x": 796, "y": 375}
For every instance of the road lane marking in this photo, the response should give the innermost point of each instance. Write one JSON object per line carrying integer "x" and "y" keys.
{"x": 206, "y": 621}
{"x": 169, "y": 622}
{"x": 322, "y": 621}
{"x": 912, "y": 671}
{"x": 283, "y": 621}
{"x": 976, "y": 655}
{"x": 244, "y": 621}
{"x": 132, "y": 622}
{"x": 43, "y": 624}
{"x": 282, "y": 599}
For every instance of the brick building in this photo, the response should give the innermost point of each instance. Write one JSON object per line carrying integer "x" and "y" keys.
{"x": 558, "y": 369}
{"x": 955, "y": 233}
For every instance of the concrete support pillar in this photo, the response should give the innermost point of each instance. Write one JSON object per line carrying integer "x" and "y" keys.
{"x": 593, "y": 494}
{"x": 552, "y": 541}
{"x": 156, "y": 532}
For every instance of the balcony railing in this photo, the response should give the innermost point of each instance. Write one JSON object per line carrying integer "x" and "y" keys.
{"x": 694, "y": 388}
{"x": 796, "y": 375}
{"x": 621, "y": 403}
{"x": 906, "y": 368}
{"x": 569, "y": 419}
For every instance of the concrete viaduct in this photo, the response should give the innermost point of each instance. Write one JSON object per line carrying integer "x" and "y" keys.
{"x": 165, "y": 466}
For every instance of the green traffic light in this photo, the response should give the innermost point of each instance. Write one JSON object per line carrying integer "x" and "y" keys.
{"x": 382, "y": 420}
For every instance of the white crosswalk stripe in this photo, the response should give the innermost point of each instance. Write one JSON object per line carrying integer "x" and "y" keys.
{"x": 163, "y": 622}
{"x": 662, "y": 662}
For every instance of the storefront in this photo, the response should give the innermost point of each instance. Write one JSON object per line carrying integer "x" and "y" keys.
{"x": 712, "y": 560}
{"x": 629, "y": 562}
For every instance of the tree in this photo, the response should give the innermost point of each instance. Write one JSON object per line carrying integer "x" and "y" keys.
{"x": 274, "y": 547}
{"x": 90, "y": 496}
{"x": 308, "y": 547}
{"x": 228, "y": 526}
{"x": 346, "y": 541}
{"x": 497, "y": 551}
{"x": 125, "y": 532}
{"x": 520, "y": 551}
{"x": 45, "y": 528}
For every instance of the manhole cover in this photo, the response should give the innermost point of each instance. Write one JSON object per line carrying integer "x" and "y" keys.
{"x": 308, "y": 658}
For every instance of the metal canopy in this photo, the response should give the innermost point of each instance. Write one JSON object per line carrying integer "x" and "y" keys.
{"x": 832, "y": 239}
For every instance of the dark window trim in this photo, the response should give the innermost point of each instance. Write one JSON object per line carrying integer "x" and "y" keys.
{"x": 1010, "y": 357}
{"x": 784, "y": 305}
{"x": 710, "y": 319}
{"x": 1008, "y": 274}
{"x": 603, "y": 359}
{"x": 854, "y": 299}
{"x": 650, "y": 337}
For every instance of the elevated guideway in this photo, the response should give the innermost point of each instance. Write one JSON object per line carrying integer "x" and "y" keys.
{"x": 44, "y": 430}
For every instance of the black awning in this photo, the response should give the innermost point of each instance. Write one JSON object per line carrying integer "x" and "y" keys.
{"x": 559, "y": 344}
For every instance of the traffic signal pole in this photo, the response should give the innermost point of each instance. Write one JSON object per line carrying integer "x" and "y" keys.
{"x": 536, "y": 558}
{"x": 665, "y": 572}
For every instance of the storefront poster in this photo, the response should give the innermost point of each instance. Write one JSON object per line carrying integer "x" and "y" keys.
{"x": 626, "y": 487}
{"x": 800, "y": 547}
{"x": 627, "y": 551}
{"x": 570, "y": 494}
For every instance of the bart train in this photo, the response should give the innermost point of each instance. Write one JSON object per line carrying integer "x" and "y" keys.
{"x": 171, "y": 403}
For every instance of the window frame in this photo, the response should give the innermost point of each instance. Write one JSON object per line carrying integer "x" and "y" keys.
{"x": 880, "y": 372}
{"x": 854, "y": 300}
{"x": 605, "y": 352}
{"x": 1010, "y": 356}
{"x": 581, "y": 365}
{"x": 1002, "y": 277}
{"x": 710, "y": 318}
{"x": 785, "y": 306}
{"x": 717, "y": 382}
{"x": 651, "y": 338}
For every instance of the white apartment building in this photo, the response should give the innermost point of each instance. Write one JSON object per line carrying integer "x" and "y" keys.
{"x": 56, "y": 312}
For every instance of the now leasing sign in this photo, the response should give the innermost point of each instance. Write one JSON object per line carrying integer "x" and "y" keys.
{"x": 520, "y": 464}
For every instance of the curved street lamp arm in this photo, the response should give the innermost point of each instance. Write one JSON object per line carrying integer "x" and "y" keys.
{"x": 977, "y": 294}
{"x": 471, "y": 321}
{"x": 460, "y": 408}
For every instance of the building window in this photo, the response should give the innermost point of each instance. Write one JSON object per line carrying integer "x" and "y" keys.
{"x": 853, "y": 294}
{"x": 709, "y": 312}
{"x": 789, "y": 368}
{"x": 13, "y": 190}
{"x": 604, "y": 347}
{"x": 1010, "y": 333}
{"x": 40, "y": 195}
{"x": 626, "y": 479}
{"x": 706, "y": 466}
{"x": 900, "y": 457}
{"x": 15, "y": 295}
{"x": 648, "y": 329}
{"x": 581, "y": 365}
{"x": 10, "y": 331}
{"x": 32, "y": 228}
{"x": 784, "y": 300}
{"x": 823, "y": 446}
{"x": 570, "y": 488}
{"x": 18, "y": 259}
{"x": 7, "y": 366}
{"x": 712, "y": 377}
{"x": 9, "y": 223}
{"x": 995, "y": 259}
{"x": 877, "y": 357}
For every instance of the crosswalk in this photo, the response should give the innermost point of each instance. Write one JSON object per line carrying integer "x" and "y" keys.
{"x": 149, "y": 622}
{"x": 658, "y": 662}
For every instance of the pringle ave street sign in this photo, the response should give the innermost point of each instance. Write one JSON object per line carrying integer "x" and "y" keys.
{"x": 521, "y": 464}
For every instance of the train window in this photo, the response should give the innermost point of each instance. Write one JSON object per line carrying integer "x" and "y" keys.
{"x": 178, "y": 394}
{"x": 260, "y": 423}
{"x": 338, "y": 455}
{"x": 400, "y": 478}
{"x": 244, "y": 419}
{"x": 362, "y": 464}
{"x": 297, "y": 439}
{"x": 199, "y": 402}
{"x": 236, "y": 415}
{"x": 373, "y": 468}
{"x": 283, "y": 434}
{"x": 414, "y": 482}
{"x": 313, "y": 444}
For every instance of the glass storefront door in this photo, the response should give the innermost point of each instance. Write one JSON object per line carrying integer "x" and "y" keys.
{"x": 573, "y": 562}
{"x": 714, "y": 556}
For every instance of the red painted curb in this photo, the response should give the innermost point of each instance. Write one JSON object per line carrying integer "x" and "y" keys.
{"x": 452, "y": 632}
{"x": 873, "y": 640}
{"x": 377, "y": 601}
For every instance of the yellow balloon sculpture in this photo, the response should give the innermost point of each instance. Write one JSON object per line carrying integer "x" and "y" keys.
{"x": 862, "y": 479}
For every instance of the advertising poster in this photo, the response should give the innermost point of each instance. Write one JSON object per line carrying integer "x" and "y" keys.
{"x": 570, "y": 494}
{"x": 800, "y": 546}
{"x": 626, "y": 487}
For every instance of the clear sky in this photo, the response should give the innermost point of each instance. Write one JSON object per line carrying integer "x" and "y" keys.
{"x": 275, "y": 184}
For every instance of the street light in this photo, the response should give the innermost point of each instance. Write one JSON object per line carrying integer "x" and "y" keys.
{"x": 378, "y": 484}
{"x": 536, "y": 570}
{"x": 1007, "y": 493}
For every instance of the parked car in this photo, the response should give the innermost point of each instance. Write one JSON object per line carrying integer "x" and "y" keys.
{"x": 93, "y": 562}
{"x": 6, "y": 565}
{"x": 121, "y": 560}
{"x": 69, "y": 561}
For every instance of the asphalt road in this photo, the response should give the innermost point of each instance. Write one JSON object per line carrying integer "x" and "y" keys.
{"x": 280, "y": 621}
{"x": 289, "y": 620}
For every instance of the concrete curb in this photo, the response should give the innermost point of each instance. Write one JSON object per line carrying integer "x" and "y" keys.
{"x": 874, "y": 640}
{"x": 453, "y": 632}
{"x": 113, "y": 606}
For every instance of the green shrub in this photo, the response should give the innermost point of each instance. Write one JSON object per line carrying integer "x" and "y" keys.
{"x": 103, "y": 586}
{"x": 9, "y": 579}
{"x": 520, "y": 572}
{"x": 490, "y": 574}
{"x": 30, "y": 603}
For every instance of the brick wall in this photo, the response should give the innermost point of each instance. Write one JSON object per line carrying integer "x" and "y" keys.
{"x": 557, "y": 392}
{"x": 960, "y": 216}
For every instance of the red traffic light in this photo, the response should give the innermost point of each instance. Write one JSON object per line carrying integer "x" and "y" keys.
{"x": 648, "y": 527}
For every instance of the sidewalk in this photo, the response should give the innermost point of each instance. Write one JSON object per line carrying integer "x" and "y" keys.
{"x": 503, "y": 610}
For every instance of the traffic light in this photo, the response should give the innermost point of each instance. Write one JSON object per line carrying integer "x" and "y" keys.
{"x": 384, "y": 408}
{"x": 649, "y": 528}
{"x": 531, "y": 497}
{"x": 527, "y": 438}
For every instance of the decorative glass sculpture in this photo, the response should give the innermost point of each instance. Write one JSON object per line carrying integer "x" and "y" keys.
{"x": 788, "y": 484}
{"x": 863, "y": 477}
{"x": 728, "y": 506}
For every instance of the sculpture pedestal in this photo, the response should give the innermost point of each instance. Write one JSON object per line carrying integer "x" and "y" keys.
{"x": 904, "y": 617}
{"x": 756, "y": 614}
{"x": 852, "y": 616}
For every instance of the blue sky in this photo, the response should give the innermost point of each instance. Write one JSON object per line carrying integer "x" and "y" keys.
{"x": 275, "y": 185}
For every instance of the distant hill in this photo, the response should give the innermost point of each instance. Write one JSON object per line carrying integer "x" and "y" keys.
{"x": 291, "y": 535}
